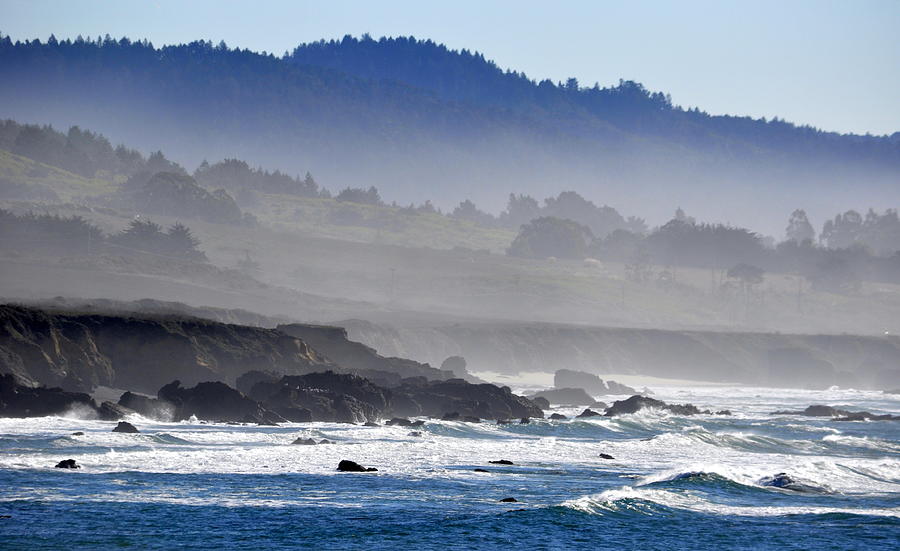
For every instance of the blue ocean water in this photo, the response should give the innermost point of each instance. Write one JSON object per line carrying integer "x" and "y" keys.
{"x": 674, "y": 483}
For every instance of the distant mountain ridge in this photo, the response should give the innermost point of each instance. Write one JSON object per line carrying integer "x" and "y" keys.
{"x": 420, "y": 122}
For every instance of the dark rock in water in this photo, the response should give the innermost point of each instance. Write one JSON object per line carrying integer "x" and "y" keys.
{"x": 125, "y": 426}
{"x": 481, "y": 470}
{"x": 109, "y": 411}
{"x": 437, "y": 398}
{"x": 588, "y": 413}
{"x": 780, "y": 480}
{"x": 353, "y": 467}
{"x": 565, "y": 396}
{"x": 248, "y": 380}
{"x": 215, "y": 401}
{"x": 502, "y": 462}
{"x": 415, "y": 433}
{"x": 471, "y": 419}
{"x": 79, "y": 433}
{"x": 399, "y": 421}
{"x": 637, "y": 403}
{"x": 371, "y": 424}
{"x": 524, "y": 421}
{"x": 146, "y": 406}
{"x": 605, "y": 456}
{"x": 68, "y": 464}
{"x": 18, "y": 400}
{"x": 325, "y": 441}
{"x": 541, "y": 402}
{"x": 326, "y": 396}
{"x": 504, "y": 421}
{"x": 304, "y": 442}
{"x": 839, "y": 414}
{"x": 509, "y": 500}
{"x": 570, "y": 378}
{"x": 450, "y": 416}
{"x": 558, "y": 417}
{"x": 724, "y": 412}
{"x": 418, "y": 423}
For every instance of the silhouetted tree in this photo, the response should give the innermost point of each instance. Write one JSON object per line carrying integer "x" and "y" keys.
{"x": 548, "y": 236}
{"x": 799, "y": 229}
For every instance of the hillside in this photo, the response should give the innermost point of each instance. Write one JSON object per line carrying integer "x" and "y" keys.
{"x": 421, "y": 122}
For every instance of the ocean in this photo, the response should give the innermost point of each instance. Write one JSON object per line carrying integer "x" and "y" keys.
{"x": 698, "y": 482}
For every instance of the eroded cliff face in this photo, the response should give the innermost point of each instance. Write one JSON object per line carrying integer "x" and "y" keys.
{"x": 769, "y": 359}
{"x": 142, "y": 353}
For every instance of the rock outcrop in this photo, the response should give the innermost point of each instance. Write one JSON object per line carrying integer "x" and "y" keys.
{"x": 328, "y": 396}
{"x": 565, "y": 396}
{"x": 126, "y": 428}
{"x": 79, "y": 351}
{"x": 148, "y": 407}
{"x": 215, "y": 401}
{"x": 570, "y": 378}
{"x": 353, "y": 467}
{"x": 637, "y": 403}
{"x": 68, "y": 464}
{"x": 839, "y": 414}
{"x": 18, "y": 400}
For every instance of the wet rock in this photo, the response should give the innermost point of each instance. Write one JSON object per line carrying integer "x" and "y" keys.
{"x": 146, "y": 406}
{"x": 839, "y": 414}
{"x": 325, "y": 441}
{"x": 570, "y": 378}
{"x": 79, "y": 433}
{"x": 780, "y": 480}
{"x": 18, "y": 400}
{"x": 502, "y": 462}
{"x": 437, "y": 398}
{"x": 558, "y": 417}
{"x": 588, "y": 413}
{"x": 126, "y": 427}
{"x": 399, "y": 421}
{"x": 353, "y": 467}
{"x": 565, "y": 396}
{"x": 504, "y": 421}
{"x": 371, "y": 424}
{"x": 415, "y": 433}
{"x": 215, "y": 401}
{"x": 418, "y": 423}
{"x": 637, "y": 403}
{"x": 68, "y": 464}
{"x": 524, "y": 421}
{"x": 450, "y": 416}
{"x": 605, "y": 456}
{"x": 110, "y": 411}
{"x": 304, "y": 442}
{"x": 471, "y": 419}
{"x": 541, "y": 402}
{"x": 509, "y": 500}
{"x": 481, "y": 470}
{"x": 326, "y": 396}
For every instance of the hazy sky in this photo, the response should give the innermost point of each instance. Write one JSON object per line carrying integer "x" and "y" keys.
{"x": 835, "y": 65}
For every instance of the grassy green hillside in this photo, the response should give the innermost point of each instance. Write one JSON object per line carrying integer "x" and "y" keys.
{"x": 39, "y": 177}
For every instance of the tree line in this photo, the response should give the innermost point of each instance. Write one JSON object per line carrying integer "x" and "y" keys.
{"x": 55, "y": 234}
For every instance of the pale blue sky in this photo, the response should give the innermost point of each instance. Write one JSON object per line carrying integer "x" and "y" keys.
{"x": 832, "y": 64}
